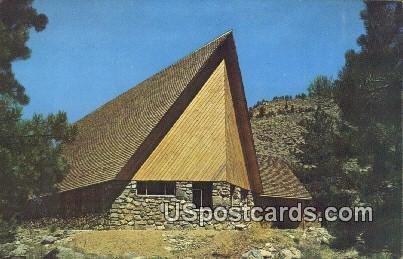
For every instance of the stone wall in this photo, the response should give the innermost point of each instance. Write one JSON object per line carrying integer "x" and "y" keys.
{"x": 117, "y": 205}
{"x": 138, "y": 211}
{"x": 226, "y": 195}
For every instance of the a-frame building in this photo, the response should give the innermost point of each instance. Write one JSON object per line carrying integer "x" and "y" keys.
{"x": 181, "y": 135}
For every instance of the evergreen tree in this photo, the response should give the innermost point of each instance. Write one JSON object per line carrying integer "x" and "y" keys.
{"x": 368, "y": 92}
{"x": 262, "y": 112}
{"x": 30, "y": 159}
{"x": 321, "y": 86}
{"x": 300, "y": 96}
{"x": 357, "y": 157}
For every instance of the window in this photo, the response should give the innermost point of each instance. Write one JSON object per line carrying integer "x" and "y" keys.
{"x": 156, "y": 188}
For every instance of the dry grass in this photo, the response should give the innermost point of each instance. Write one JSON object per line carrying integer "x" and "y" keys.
{"x": 119, "y": 242}
{"x": 206, "y": 243}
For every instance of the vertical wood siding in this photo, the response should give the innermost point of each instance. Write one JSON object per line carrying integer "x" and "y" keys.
{"x": 203, "y": 145}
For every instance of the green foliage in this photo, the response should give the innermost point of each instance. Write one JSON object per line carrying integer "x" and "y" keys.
{"x": 52, "y": 228}
{"x": 356, "y": 157}
{"x": 7, "y": 231}
{"x": 292, "y": 108}
{"x": 30, "y": 157}
{"x": 301, "y": 96}
{"x": 284, "y": 97}
{"x": 323, "y": 154}
{"x": 368, "y": 92}
{"x": 321, "y": 86}
{"x": 16, "y": 18}
{"x": 30, "y": 150}
{"x": 259, "y": 103}
{"x": 250, "y": 112}
{"x": 262, "y": 111}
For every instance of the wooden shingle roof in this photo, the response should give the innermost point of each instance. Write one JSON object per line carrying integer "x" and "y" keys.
{"x": 279, "y": 181}
{"x": 115, "y": 140}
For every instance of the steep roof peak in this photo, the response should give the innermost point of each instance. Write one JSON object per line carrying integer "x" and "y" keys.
{"x": 220, "y": 39}
{"x": 224, "y": 35}
{"x": 109, "y": 136}
{"x": 207, "y": 47}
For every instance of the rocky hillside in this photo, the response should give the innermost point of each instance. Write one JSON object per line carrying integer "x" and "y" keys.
{"x": 258, "y": 242}
{"x": 278, "y": 129}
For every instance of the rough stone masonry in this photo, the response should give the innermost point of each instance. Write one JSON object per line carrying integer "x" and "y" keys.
{"x": 118, "y": 206}
{"x": 140, "y": 212}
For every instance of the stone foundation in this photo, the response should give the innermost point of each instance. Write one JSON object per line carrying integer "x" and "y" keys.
{"x": 226, "y": 195}
{"x": 140, "y": 212}
{"x": 117, "y": 205}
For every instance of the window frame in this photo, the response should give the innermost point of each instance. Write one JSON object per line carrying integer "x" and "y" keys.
{"x": 164, "y": 183}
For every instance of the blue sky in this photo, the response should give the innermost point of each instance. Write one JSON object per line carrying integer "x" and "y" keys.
{"x": 92, "y": 51}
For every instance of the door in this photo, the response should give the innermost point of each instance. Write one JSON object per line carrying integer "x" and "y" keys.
{"x": 202, "y": 194}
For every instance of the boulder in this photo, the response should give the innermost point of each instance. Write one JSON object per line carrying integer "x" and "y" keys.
{"x": 51, "y": 254}
{"x": 291, "y": 253}
{"x": 266, "y": 254}
{"x": 252, "y": 254}
{"x": 269, "y": 247}
{"x": 67, "y": 253}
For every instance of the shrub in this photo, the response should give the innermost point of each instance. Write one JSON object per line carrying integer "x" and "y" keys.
{"x": 52, "y": 228}
{"x": 7, "y": 231}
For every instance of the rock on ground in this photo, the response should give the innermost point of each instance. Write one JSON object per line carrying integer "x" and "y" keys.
{"x": 20, "y": 251}
{"x": 252, "y": 254}
{"x": 291, "y": 253}
{"x": 48, "y": 240}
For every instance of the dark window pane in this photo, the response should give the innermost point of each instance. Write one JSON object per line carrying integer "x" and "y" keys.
{"x": 141, "y": 188}
{"x": 170, "y": 188}
{"x": 155, "y": 188}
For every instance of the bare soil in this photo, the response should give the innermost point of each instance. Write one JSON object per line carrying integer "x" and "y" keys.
{"x": 177, "y": 243}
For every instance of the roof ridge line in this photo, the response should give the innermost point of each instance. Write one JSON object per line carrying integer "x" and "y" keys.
{"x": 224, "y": 35}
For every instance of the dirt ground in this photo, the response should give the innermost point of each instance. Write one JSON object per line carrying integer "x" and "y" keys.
{"x": 178, "y": 243}
{"x": 304, "y": 243}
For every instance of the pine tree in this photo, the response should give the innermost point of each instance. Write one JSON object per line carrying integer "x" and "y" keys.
{"x": 30, "y": 159}
{"x": 369, "y": 88}
{"x": 262, "y": 111}
{"x": 321, "y": 86}
{"x": 361, "y": 159}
